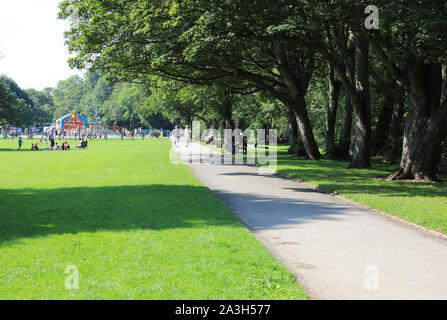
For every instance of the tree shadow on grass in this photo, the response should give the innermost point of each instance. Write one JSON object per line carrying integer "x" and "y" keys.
{"x": 15, "y": 150}
{"x": 340, "y": 181}
{"x": 389, "y": 189}
{"x": 28, "y": 213}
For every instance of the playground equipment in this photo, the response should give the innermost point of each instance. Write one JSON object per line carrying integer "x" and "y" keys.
{"x": 77, "y": 122}
{"x": 72, "y": 121}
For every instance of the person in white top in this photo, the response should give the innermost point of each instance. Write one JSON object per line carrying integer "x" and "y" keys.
{"x": 187, "y": 135}
{"x": 175, "y": 136}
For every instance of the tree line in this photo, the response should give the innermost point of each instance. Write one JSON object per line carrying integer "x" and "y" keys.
{"x": 310, "y": 65}
{"x": 388, "y": 83}
{"x": 91, "y": 96}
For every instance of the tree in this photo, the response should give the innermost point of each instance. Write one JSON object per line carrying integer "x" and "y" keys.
{"x": 412, "y": 45}
{"x": 67, "y": 96}
{"x": 43, "y": 105}
{"x": 96, "y": 91}
{"x": 275, "y": 47}
{"x": 346, "y": 48}
{"x": 332, "y": 103}
{"x": 8, "y": 104}
{"x": 148, "y": 38}
{"x": 17, "y": 107}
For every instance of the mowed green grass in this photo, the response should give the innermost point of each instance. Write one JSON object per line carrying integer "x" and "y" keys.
{"x": 421, "y": 203}
{"x": 135, "y": 225}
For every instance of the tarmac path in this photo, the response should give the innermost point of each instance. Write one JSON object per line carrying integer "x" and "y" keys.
{"x": 336, "y": 249}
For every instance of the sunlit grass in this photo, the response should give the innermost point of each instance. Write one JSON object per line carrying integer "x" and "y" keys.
{"x": 421, "y": 203}
{"x": 135, "y": 226}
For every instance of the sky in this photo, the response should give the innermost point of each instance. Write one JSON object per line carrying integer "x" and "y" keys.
{"x": 32, "y": 43}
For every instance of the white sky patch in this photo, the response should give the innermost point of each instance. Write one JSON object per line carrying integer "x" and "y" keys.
{"x": 32, "y": 43}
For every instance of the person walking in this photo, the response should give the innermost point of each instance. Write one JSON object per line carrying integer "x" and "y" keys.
{"x": 52, "y": 137}
{"x": 43, "y": 137}
{"x": 176, "y": 136}
{"x": 187, "y": 135}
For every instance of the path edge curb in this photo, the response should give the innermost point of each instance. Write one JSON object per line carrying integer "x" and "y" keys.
{"x": 431, "y": 232}
{"x": 412, "y": 225}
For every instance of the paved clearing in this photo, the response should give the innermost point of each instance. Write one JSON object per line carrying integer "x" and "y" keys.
{"x": 337, "y": 250}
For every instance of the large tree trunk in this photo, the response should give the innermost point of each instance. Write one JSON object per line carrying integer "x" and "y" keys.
{"x": 395, "y": 137}
{"x": 361, "y": 138}
{"x": 295, "y": 141}
{"x": 305, "y": 129}
{"x": 348, "y": 70}
{"x": 418, "y": 157}
{"x": 331, "y": 111}
{"x": 293, "y": 128}
{"x": 297, "y": 84}
{"x": 344, "y": 143}
{"x": 426, "y": 120}
{"x": 382, "y": 131}
{"x": 227, "y": 115}
{"x": 398, "y": 114}
{"x": 227, "y": 109}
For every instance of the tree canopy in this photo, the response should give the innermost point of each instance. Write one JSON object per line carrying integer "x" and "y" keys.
{"x": 333, "y": 86}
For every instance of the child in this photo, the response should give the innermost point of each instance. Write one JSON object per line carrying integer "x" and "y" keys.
{"x": 20, "y": 144}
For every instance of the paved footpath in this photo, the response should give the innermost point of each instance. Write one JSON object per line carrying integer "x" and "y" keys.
{"x": 336, "y": 250}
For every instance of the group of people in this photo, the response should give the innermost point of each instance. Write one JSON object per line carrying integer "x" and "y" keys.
{"x": 178, "y": 133}
{"x": 14, "y": 132}
{"x": 126, "y": 133}
{"x": 62, "y": 134}
{"x": 64, "y": 147}
{"x": 54, "y": 146}
{"x": 49, "y": 135}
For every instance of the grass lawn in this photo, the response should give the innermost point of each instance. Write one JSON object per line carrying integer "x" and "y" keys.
{"x": 135, "y": 226}
{"x": 424, "y": 204}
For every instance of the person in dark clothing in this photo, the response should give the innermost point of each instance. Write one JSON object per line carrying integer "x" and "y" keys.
{"x": 82, "y": 145}
{"x": 52, "y": 138}
{"x": 20, "y": 143}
